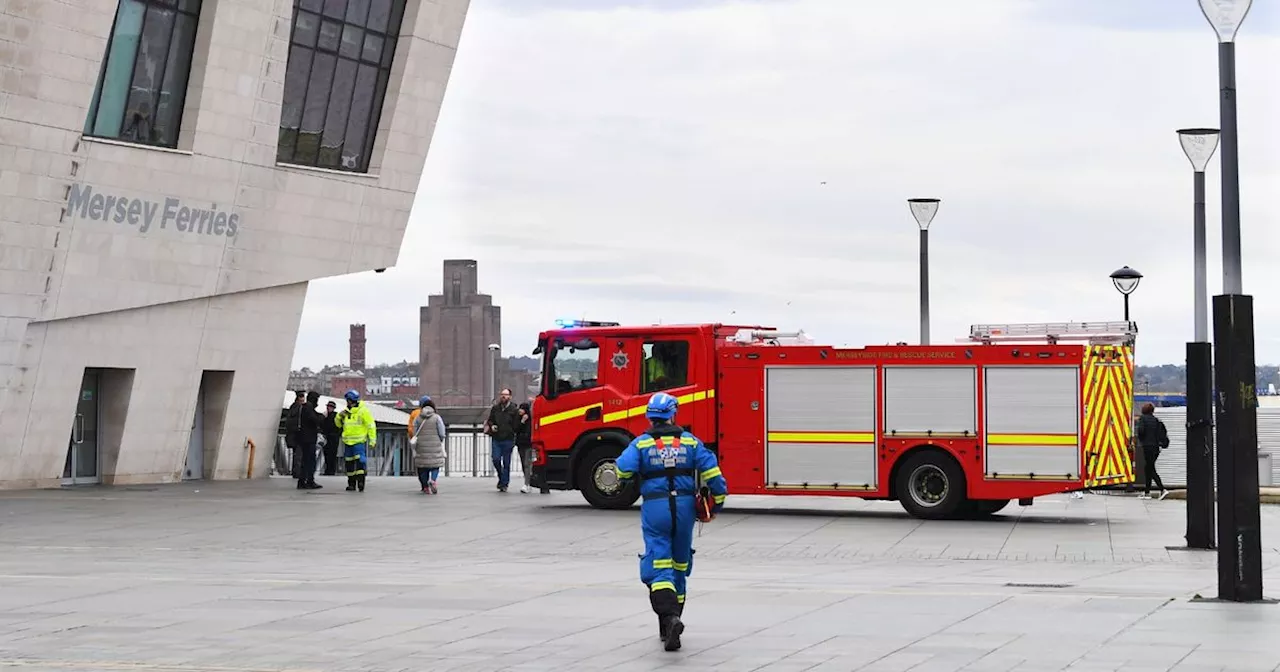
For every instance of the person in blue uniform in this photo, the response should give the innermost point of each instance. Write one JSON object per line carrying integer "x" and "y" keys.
{"x": 671, "y": 465}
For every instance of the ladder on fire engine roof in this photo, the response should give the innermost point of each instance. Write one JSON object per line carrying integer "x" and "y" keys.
{"x": 1095, "y": 333}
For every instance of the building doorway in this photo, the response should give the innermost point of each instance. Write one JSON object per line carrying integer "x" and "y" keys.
{"x": 83, "y": 464}
{"x": 194, "y": 469}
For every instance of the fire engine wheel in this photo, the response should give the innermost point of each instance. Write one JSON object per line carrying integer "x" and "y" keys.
{"x": 931, "y": 485}
{"x": 598, "y": 480}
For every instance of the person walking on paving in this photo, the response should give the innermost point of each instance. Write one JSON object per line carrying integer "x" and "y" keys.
{"x": 501, "y": 426}
{"x": 1152, "y": 436}
{"x": 359, "y": 436}
{"x": 524, "y": 443}
{"x": 672, "y": 466}
{"x": 429, "y": 438}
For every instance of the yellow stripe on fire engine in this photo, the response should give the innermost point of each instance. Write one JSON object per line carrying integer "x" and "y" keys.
{"x": 822, "y": 437}
{"x": 1032, "y": 439}
{"x": 634, "y": 411}
{"x": 566, "y": 415}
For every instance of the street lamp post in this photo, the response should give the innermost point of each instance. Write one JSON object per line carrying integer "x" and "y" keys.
{"x": 1126, "y": 280}
{"x": 493, "y": 371}
{"x": 1199, "y": 145}
{"x": 1239, "y": 533}
{"x": 923, "y": 209}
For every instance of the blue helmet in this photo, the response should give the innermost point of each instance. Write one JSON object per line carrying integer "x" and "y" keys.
{"x": 662, "y": 406}
{"x": 352, "y": 395}
{"x": 423, "y": 401}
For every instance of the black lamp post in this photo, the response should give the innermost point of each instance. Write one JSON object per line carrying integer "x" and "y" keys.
{"x": 1126, "y": 280}
{"x": 923, "y": 209}
{"x": 1199, "y": 145}
{"x": 1235, "y": 372}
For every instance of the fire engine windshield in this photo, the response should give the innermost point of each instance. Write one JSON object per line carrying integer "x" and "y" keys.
{"x": 571, "y": 365}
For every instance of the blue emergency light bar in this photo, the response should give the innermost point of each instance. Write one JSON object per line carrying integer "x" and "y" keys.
{"x": 567, "y": 324}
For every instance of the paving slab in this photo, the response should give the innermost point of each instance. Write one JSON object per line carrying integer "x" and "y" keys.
{"x": 258, "y": 576}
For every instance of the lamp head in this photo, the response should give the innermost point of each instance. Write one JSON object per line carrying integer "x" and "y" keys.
{"x": 1126, "y": 280}
{"x": 1199, "y": 145}
{"x": 923, "y": 209}
{"x": 1225, "y": 16}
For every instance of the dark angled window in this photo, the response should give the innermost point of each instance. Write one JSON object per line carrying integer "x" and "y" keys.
{"x": 339, "y": 61}
{"x": 143, "y": 82}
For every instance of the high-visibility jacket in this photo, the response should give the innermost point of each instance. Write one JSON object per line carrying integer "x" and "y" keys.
{"x": 655, "y": 371}
{"x": 358, "y": 426}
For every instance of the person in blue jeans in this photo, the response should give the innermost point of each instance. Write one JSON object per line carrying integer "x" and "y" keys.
{"x": 501, "y": 426}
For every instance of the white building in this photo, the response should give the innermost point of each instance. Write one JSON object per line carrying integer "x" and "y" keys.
{"x": 172, "y": 174}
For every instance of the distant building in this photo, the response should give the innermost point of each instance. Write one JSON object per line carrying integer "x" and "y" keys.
{"x": 355, "y": 348}
{"x": 173, "y": 174}
{"x": 455, "y": 330}
{"x": 352, "y": 380}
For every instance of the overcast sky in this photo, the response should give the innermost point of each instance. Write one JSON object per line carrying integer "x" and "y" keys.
{"x": 665, "y": 160}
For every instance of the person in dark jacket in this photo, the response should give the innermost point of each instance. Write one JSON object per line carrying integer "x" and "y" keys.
{"x": 501, "y": 426}
{"x": 310, "y": 422}
{"x": 332, "y": 438}
{"x": 524, "y": 443}
{"x": 1152, "y": 436}
{"x": 292, "y": 426}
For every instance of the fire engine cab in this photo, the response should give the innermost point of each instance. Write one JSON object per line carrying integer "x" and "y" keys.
{"x": 1012, "y": 412}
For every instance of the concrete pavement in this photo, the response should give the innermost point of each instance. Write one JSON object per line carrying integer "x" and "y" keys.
{"x": 257, "y": 576}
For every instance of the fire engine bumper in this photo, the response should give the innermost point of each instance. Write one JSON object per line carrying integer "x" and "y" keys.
{"x": 554, "y": 474}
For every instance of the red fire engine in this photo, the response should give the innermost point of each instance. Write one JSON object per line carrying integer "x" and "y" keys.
{"x": 1012, "y": 412}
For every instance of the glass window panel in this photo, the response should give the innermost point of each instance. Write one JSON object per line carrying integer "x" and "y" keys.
{"x": 357, "y": 123}
{"x": 378, "y": 94}
{"x": 330, "y": 34}
{"x": 306, "y": 28}
{"x": 189, "y": 6}
{"x": 173, "y": 88}
{"x": 357, "y": 11}
{"x": 379, "y": 14}
{"x": 397, "y": 15}
{"x": 296, "y": 76}
{"x": 313, "y": 110}
{"x": 335, "y": 8}
{"x": 388, "y": 52}
{"x": 335, "y": 123}
{"x": 148, "y": 69}
{"x": 372, "y": 47}
{"x": 295, "y": 87}
{"x": 311, "y": 5}
{"x": 109, "y": 112}
{"x": 352, "y": 42}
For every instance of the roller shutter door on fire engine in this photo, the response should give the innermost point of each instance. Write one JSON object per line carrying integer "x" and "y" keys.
{"x": 820, "y": 428}
{"x": 930, "y": 401}
{"x": 1032, "y": 422}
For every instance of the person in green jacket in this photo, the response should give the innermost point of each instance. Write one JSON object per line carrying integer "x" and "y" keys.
{"x": 359, "y": 435}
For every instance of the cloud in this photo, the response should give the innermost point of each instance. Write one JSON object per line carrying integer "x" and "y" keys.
{"x": 638, "y": 161}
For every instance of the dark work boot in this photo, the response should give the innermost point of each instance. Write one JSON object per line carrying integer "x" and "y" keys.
{"x": 351, "y": 484}
{"x": 669, "y": 626}
{"x": 674, "y": 630}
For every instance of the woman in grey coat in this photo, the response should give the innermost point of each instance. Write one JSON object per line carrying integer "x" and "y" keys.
{"x": 428, "y": 443}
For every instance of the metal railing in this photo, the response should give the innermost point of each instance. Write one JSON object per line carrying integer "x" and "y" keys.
{"x": 467, "y": 446}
